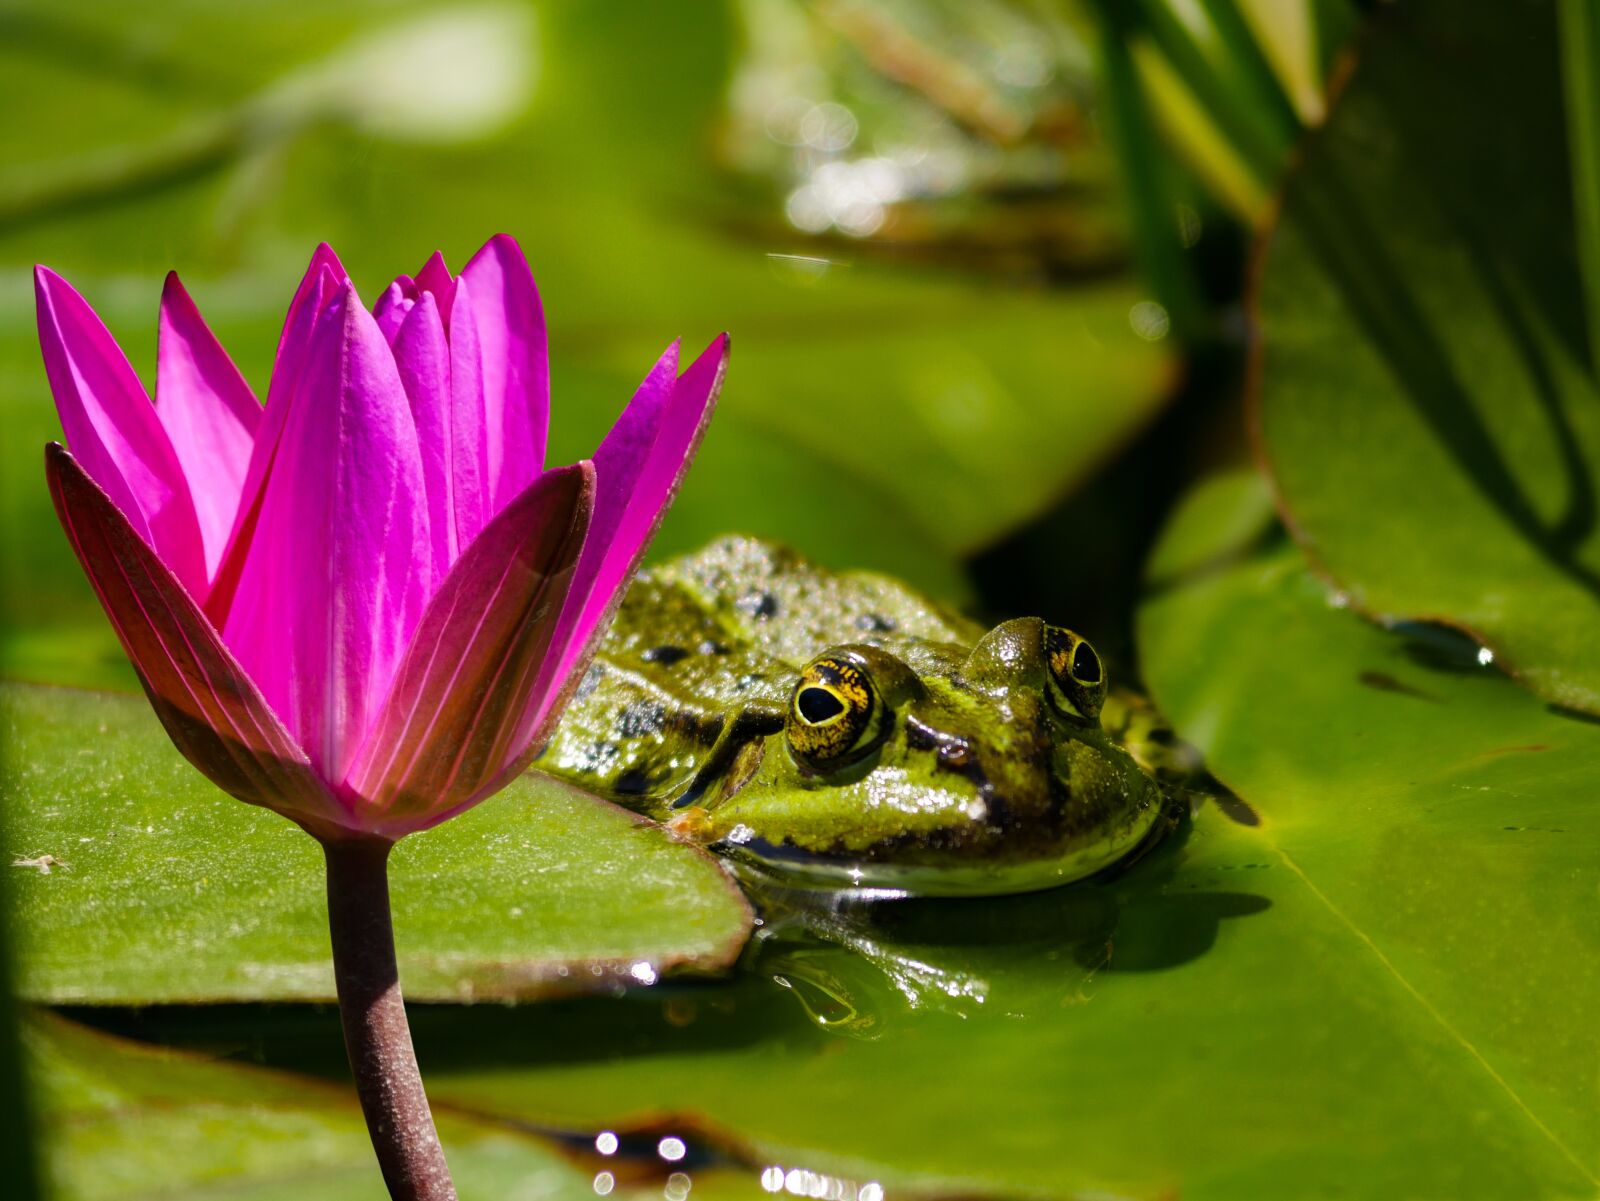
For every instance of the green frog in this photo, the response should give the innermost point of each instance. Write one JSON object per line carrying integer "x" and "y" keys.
{"x": 839, "y": 731}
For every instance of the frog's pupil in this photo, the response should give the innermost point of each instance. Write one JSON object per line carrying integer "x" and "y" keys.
{"x": 1086, "y": 664}
{"x": 818, "y": 705}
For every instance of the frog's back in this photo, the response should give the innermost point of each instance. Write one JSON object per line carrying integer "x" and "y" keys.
{"x": 708, "y": 636}
{"x": 770, "y": 598}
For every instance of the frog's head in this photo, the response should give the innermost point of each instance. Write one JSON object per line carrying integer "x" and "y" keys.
{"x": 930, "y": 769}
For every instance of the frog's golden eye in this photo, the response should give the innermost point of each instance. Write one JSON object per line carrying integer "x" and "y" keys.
{"x": 835, "y": 714}
{"x": 1077, "y": 677}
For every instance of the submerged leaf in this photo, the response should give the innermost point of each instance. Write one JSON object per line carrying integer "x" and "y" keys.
{"x": 126, "y": 1121}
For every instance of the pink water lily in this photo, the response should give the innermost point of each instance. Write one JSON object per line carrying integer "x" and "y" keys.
{"x": 360, "y": 604}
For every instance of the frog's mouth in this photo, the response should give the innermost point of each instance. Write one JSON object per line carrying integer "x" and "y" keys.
{"x": 762, "y": 863}
{"x": 917, "y": 868}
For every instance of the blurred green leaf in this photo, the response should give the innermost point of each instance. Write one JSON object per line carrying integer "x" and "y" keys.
{"x": 1147, "y": 171}
{"x": 878, "y": 412}
{"x": 1427, "y": 396}
{"x": 129, "y": 1122}
{"x": 134, "y": 881}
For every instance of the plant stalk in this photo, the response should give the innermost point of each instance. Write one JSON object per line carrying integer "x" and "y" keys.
{"x": 376, "y": 1035}
{"x": 1580, "y": 76}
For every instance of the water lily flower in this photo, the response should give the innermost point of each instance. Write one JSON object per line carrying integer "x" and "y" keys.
{"x": 363, "y": 604}
{"x": 360, "y": 604}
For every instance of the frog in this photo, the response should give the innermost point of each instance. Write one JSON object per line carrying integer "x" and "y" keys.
{"x": 839, "y": 730}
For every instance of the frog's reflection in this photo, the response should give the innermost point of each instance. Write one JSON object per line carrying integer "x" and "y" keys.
{"x": 857, "y": 963}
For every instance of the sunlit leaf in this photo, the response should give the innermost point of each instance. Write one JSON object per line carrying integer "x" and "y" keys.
{"x": 1427, "y": 398}
{"x": 135, "y": 881}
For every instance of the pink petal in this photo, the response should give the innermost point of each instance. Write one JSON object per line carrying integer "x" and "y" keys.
{"x": 498, "y": 288}
{"x": 447, "y": 725}
{"x": 423, "y": 357}
{"x": 635, "y": 486}
{"x": 317, "y": 289}
{"x": 336, "y": 575}
{"x": 621, "y": 463}
{"x": 209, "y": 413}
{"x": 211, "y": 710}
{"x": 637, "y": 471}
{"x": 393, "y": 306}
{"x": 469, "y": 469}
{"x": 113, "y": 428}
{"x": 435, "y": 277}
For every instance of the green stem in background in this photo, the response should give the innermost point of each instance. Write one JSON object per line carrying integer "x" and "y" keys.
{"x": 1580, "y": 70}
{"x": 1144, "y": 167}
{"x": 376, "y": 1034}
{"x": 1259, "y": 134}
{"x": 1258, "y": 83}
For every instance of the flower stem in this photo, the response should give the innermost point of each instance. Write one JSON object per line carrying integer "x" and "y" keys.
{"x": 376, "y": 1035}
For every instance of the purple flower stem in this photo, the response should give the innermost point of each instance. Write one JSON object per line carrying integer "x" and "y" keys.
{"x": 376, "y": 1034}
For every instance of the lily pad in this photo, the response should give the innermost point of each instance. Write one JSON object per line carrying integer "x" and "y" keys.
{"x": 134, "y": 881}
{"x": 1438, "y": 813}
{"x": 124, "y": 1122}
{"x": 1369, "y": 974}
{"x": 1427, "y": 402}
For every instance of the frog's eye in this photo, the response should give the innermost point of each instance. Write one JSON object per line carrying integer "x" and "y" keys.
{"x": 835, "y": 714}
{"x": 1077, "y": 677}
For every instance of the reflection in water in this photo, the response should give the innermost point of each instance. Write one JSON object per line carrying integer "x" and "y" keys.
{"x": 1440, "y": 647}
{"x": 859, "y": 965}
{"x": 642, "y": 1158}
{"x": 803, "y": 1182}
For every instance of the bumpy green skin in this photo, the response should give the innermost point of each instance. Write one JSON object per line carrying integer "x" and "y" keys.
{"x": 979, "y": 786}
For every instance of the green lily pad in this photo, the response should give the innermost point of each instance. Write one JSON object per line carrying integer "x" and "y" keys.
{"x": 134, "y": 881}
{"x": 879, "y": 413}
{"x": 1371, "y": 975}
{"x": 1427, "y": 400}
{"x": 1438, "y": 813}
{"x": 125, "y": 1122}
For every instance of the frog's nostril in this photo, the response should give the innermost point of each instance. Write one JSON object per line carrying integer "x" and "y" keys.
{"x": 955, "y": 754}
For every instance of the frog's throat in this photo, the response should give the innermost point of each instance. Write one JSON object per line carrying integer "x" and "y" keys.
{"x": 797, "y": 868}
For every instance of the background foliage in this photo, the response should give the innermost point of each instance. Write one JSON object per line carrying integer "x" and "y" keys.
{"x": 985, "y": 266}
